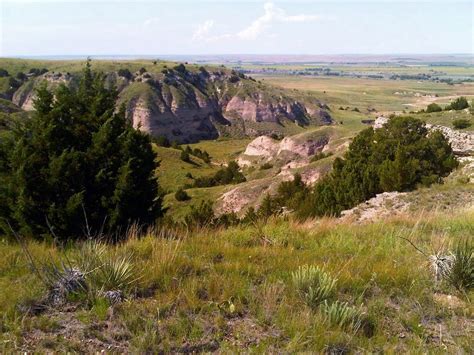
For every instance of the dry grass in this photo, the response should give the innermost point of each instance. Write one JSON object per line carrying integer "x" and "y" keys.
{"x": 226, "y": 290}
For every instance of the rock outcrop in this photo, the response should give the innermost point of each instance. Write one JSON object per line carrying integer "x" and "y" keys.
{"x": 461, "y": 142}
{"x": 187, "y": 105}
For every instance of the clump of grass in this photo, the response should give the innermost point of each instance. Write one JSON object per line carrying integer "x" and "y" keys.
{"x": 342, "y": 315}
{"x": 313, "y": 284}
{"x": 461, "y": 274}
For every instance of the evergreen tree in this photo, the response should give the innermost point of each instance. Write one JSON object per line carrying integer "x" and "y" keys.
{"x": 78, "y": 165}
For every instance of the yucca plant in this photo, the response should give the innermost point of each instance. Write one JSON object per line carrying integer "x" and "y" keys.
{"x": 89, "y": 257}
{"x": 116, "y": 273}
{"x": 461, "y": 273}
{"x": 342, "y": 315}
{"x": 313, "y": 284}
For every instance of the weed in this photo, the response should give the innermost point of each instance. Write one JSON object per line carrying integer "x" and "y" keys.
{"x": 342, "y": 315}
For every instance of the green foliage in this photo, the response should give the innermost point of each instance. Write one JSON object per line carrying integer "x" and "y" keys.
{"x": 78, "y": 165}
{"x": 181, "y": 195}
{"x": 200, "y": 215}
{"x": 319, "y": 156}
{"x": 161, "y": 141}
{"x": 3, "y": 73}
{"x": 461, "y": 123}
{"x": 266, "y": 166}
{"x": 433, "y": 107}
{"x": 461, "y": 275}
{"x": 313, "y": 284}
{"x": 184, "y": 156}
{"x": 459, "y": 104}
{"x": 342, "y": 315}
{"x": 397, "y": 157}
{"x": 228, "y": 175}
{"x": 125, "y": 73}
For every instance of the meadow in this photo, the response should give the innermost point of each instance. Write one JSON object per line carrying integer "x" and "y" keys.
{"x": 232, "y": 289}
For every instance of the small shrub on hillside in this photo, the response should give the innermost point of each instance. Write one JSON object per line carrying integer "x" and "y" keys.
{"x": 227, "y": 175}
{"x": 200, "y": 215}
{"x": 342, "y": 315}
{"x": 319, "y": 156}
{"x": 184, "y": 156}
{"x": 180, "y": 68}
{"x": 21, "y": 76}
{"x": 3, "y": 73}
{"x": 161, "y": 141}
{"x": 459, "y": 104}
{"x": 434, "y": 107}
{"x": 125, "y": 73}
{"x": 461, "y": 274}
{"x": 181, "y": 195}
{"x": 313, "y": 284}
{"x": 141, "y": 70}
{"x": 461, "y": 123}
{"x": 266, "y": 166}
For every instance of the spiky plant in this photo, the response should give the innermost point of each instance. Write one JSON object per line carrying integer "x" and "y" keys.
{"x": 89, "y": 257}
{"x": 342, "y": 315}
{"x": 313, "y": 284}
{"x": 461, "y": 273}
{"x": 116, "y": 273}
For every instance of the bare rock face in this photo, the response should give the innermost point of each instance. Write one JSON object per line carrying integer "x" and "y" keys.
{"x": 297, "y": 148}
{"x": 380, "y": 121}
{"x": 461, "y": 142}
{"x": 305, "y": 148}
{"x": 262, "y": 146}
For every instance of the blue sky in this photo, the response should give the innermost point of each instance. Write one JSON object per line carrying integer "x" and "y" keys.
{"x": 34, "y": 28}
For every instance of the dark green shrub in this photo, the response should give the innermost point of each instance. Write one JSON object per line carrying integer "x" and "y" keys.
{"x": 125, "y": 73}
{"x": 3, "y": 73}
{"x": 396, "y": 157}
{"x": 181, "y": 195}
{"x": 461, "y": 123}
{"x": 201, "y": 215}
{"x": 459, "y": 104}
{"x": 266, "y": 166}
{"x": 184, "y": 156}
{"x": 434, "y": 107}
{"x": 162, "y": 141}
{"x": 228, "y": 175}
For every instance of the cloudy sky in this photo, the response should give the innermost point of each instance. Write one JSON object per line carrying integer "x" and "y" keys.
{"x": 35, "y": 28}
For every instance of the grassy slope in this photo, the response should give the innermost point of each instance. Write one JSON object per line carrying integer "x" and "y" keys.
{"x": 229, "y": 290}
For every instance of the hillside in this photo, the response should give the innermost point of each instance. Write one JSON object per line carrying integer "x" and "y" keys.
{"x": 185, "y": 103}
{"x": 227, "y": 290}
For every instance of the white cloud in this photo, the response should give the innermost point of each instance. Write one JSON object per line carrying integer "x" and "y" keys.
{"x": 202, "y": 31}
{"x": 272, "y": 15}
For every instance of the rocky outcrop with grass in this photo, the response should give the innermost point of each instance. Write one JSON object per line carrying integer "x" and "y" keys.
{"x": 188, "y": 103}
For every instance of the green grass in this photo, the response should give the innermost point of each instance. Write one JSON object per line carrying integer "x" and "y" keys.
{"x": 225, "y": 290}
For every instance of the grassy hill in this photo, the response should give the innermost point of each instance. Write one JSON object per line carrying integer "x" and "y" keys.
{"x": 225, "y": 290}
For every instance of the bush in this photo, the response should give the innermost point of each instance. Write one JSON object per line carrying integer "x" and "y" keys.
{"x": 184, "y": 156}
{"x": 162, "y": 141}
{"x": 313, "y": 284}
{"x": 181, "y": 195}
{"x": 21, "y": 76}
{"x": 3, "y": 73}
{"x": 397, "y": 157}
{"x": 266, "y": 166}
{"x": 142, "y": 70}
{"x": 459, "y": 104}
{"x": 433, "y": 108}
{"x": 228, "y": 175}
{"x": 125, "y": 73}
{"x": 201, "y": 215}
{"x": 180, "y": 68}
{"x": 461, "y": 123}
{"x": 461, "y": 275}
{"x": 319, "y": 156}
{"x": 78, "y": 165}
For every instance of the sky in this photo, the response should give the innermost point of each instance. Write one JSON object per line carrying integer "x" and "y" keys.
{"x": 45, "y": 28}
